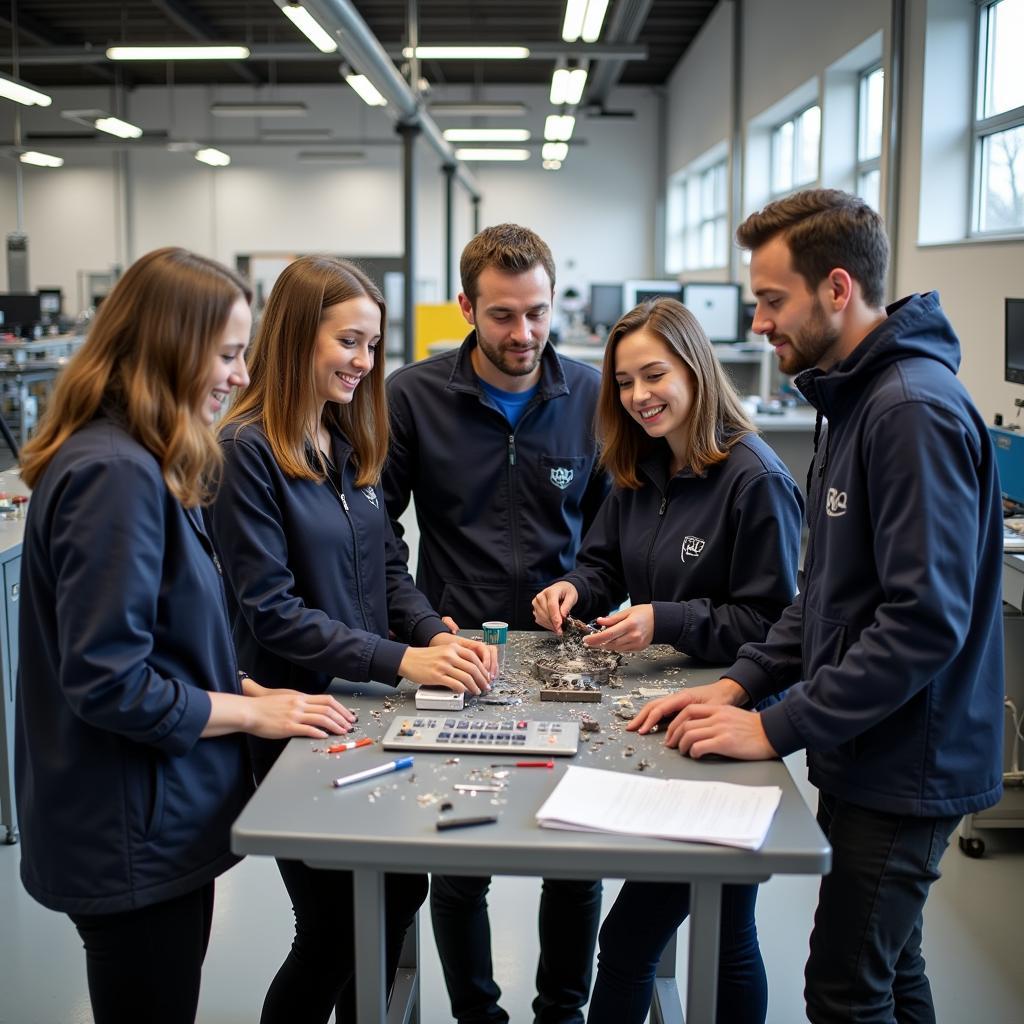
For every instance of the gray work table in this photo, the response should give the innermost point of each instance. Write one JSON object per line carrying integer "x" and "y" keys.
{"x": 388, "y": 823}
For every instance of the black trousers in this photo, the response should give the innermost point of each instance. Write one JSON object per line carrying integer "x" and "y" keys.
{"x": 865, "y": 963}
{"x": 569, "y": 914}
{"x": 146, "y": 964}
{"x": 317, "y": 976}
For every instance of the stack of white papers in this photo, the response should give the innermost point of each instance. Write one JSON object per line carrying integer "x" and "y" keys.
{"x": 592, "y": 800}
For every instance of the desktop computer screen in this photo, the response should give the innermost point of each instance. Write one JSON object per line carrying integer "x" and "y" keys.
{"x": 635, "y": 292}
{"x": 717, "y": 309}
{"x": 1014, "y": 365}
{"x": 19, "y": 311}
{"x": 605, "y": 304}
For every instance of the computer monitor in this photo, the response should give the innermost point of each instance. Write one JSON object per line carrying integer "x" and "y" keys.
{"x": 717, "y": 308}
{"x": 51, "y": 302}
{"x": 1014, "y": 364}
{"x": 605, "y": 304}
{"x": 19, "y": 311}
{"x": 635, "y": 292}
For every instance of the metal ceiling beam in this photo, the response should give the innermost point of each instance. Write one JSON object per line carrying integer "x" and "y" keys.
{"x": 626, "y": 23}
{"x": 197, "y": 27}
{"x": 361, "y": 48}
{"x": 45, "y": 35}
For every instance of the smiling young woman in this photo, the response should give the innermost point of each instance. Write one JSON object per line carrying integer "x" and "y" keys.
{"x": 321, "y": 589}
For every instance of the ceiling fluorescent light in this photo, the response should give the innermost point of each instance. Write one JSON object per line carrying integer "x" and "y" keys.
{"x": 487, "y": 135}
{"x": 259, "y": 109}
{"x": 12, "y": 89}
{"x": 477, "y": 109}
{"x": 213, "y": 157}
{"x": 366, "y": 90}
{"x": 295, "y": 133}
{"x": 574, "y": 90}
{"x": 310, "y": 27}
{"x": 492, "y": 154}
{"x": 115, "y": 126}
{"x": 468, "y": 52}
{"x": 313, "y": 156}
{"x": 558, "y": 128}
{"x": 583, "y": 19}
{"x": 41, "y": 159}
{"x": 551, "y": 165}
{"x": 177, "y": 53}
{"x": 554, "y": 151}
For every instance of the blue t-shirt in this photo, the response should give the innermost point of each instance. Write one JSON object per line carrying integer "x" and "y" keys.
{"x": 511, "y": 403}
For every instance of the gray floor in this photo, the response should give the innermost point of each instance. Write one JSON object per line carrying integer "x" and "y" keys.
{"x": 974, "y": 935}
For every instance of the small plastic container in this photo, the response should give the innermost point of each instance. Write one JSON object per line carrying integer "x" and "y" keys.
{"x": 496, "y": 636}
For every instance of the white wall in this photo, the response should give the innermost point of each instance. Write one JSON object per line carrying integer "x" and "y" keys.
{"x": 597, "y": 213}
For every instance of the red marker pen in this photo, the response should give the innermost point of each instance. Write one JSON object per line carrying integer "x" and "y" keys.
{"x": 350, "y": 745}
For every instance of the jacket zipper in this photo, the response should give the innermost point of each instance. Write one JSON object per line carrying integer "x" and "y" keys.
{"x": 355, "y": 542}
{"x": 654, "y": 540}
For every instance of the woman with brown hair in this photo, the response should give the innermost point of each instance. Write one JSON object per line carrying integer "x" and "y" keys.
{"x": 702, "y": 533}
{"x": 129, "y": 764}
{"x": 317, "y": 577}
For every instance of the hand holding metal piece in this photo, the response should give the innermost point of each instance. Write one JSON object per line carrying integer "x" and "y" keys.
{"x": 579, "y": 627}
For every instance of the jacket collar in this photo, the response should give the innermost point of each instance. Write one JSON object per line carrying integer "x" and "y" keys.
{"x": 464, "y": 378}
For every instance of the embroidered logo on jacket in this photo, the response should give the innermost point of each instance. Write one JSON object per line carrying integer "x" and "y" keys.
{"x": 562, "y": 477}
{"x": 371, "y": 496}
{"x": 835, "y": 502}
{"x": 691, "y": 546}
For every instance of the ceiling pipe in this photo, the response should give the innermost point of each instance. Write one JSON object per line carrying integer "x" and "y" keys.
{"x": 624, "y": 26}
{"x": 364, "y": 52}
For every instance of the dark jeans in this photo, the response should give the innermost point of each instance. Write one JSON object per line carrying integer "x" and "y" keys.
{"x": 569, "y": 915}
{"x": 866, "y": 963}
{"x": 317, "y": 976}
{"x": 145, "y": 964}
{"x": 638, "y": 928}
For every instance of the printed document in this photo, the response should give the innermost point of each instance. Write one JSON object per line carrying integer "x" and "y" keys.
{"x": 593, "y": 800}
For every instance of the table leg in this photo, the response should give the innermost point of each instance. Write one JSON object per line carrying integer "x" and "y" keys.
{"x": 665, "y": 1005}
{"x": 371, "y": 989}
{"x": 702, "y": 972}
{"x": 404, "y": 1005}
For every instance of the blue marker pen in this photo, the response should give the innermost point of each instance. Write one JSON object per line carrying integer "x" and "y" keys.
{"x": 372, "y": 773}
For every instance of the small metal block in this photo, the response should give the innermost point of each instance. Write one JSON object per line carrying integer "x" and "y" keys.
{"x": 571, "y": 696}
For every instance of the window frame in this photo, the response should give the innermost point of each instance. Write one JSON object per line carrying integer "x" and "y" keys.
{"x": 793, "y": 119}
{"x": 685, "y": 234}
{"x": 983, "y": 128}
{"x": 866, "y": 165}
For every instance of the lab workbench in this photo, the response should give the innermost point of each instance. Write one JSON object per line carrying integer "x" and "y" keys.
{"x": 389, "y": 824}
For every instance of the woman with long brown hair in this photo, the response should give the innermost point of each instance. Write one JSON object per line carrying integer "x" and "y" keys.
{"x": 129, "y": 764}
{"x": 319, "y": 583}
{"x": 702, "y": 533}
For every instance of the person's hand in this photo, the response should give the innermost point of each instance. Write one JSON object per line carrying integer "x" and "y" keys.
{"x": 487, "y": 653}
{"x": 453, "y": 663}
{"x": 707, "y": 729}
{"x": 631, "y": 629}
{"x": 277, "y": 714}
{"x": 453, "y": 626}
{"x": 553, "y": 603}
{"x": 722, "y": 692}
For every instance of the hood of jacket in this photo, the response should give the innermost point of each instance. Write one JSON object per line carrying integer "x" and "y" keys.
{"x": 915, "y": 327}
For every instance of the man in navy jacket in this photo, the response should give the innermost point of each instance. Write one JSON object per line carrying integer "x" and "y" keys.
{"x": 495, "y": 441}
{"x": 892, "y": 652}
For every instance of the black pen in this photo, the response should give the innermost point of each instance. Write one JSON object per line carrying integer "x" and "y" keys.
{"x": 484, "y": 819}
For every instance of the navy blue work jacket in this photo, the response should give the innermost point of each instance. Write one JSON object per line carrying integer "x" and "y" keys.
{"x": 501, "y": 510}
{"x": 317, "y": 579}
{"x": 895, "y": 645}
{"x": 715, "y": 554}
{"x": 123, "y": 633}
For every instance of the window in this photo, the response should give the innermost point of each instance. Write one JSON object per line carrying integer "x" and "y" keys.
{"x": 870, "y": 91}
{"x": 697, "y": 230}
{"x": 998, "y": 181}
{"x": 795, "y": 152}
